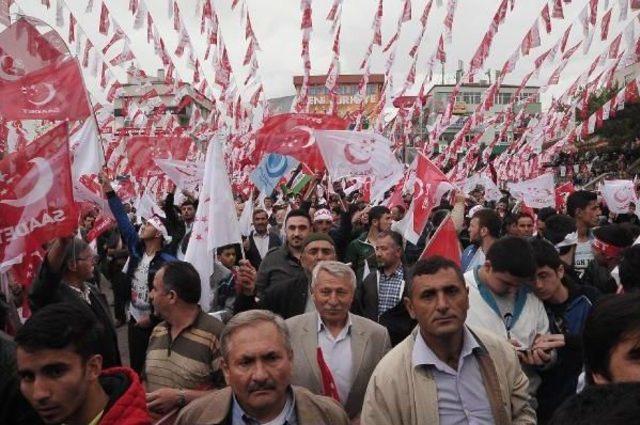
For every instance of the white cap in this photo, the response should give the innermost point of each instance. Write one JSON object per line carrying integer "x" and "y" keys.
{"x": 160, "y": 227}
{"x": 474, "y": 209}
{"x": 322, "y": 214}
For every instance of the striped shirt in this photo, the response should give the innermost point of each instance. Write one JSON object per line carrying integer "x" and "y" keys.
{"x": 190, "y": 361}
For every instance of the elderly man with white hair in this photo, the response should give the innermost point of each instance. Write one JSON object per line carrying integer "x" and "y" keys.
{"x": 339, "y": 350}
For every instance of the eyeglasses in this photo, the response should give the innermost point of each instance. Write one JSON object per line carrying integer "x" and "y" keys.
{"x": 94, "y": 259}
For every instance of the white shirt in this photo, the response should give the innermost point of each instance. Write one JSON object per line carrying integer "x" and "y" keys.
{"x": 477, "y": 260}
{"x": 337, "y": 354}
{"x": 262, "y": 243}
{"x": 140, "y": 307}
{"x": 583, "y": 257}
{"x": 531, "y": 321}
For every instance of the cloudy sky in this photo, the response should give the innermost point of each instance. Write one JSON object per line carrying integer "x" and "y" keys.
{"x": 277, "y": 22}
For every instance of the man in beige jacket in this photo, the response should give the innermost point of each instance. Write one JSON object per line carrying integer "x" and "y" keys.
{"x": 351, "y": 345}
{"x": 257, "y": 363}
{"x": 445, "y": 372}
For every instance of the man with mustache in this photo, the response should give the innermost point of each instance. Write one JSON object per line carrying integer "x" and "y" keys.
{"x": 446, "y": 372}
{"x": 351, "y": 346}
{"x": 257, "y": 364}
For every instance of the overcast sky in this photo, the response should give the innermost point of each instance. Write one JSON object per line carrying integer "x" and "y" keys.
{"x": 277, "y": 22}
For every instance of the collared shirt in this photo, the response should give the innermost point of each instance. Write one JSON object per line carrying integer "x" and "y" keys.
{"x": 286, "y": 417}
{"x": 82, "y": 292}
{"x": 190, "y": 361}
{"x": 262, "y": 243}
{"x": 337, "y": 354}
{"x": 390, "y": 290}
{"x": 477, "y": 260}
{"x": 462, "y": 397}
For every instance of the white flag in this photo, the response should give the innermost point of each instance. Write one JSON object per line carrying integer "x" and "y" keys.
{"x": 491, "y": 191}
{"x": 246, "y": 218}
{"x": 86, "y": 150}
{"x": 538, "y": 192}
{"x": 146, "y": 207}
{"x": 186, "y": 175}
{"x": 618, "y": 194}
{"x": 360, "y": 153}
{"x": 216, "y": 222}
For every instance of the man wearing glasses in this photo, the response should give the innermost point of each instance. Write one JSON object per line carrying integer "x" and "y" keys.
{"x": 64, "y": 277}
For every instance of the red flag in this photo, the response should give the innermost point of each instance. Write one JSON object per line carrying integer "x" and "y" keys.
{"x": 604, "y": 25}
{"x": 441, "y": 55}
{"x": 23, "y": 50}
{"x": 55, "y": 92}
{"x": 429, "y": 187}
{"x": 104, "y": 20}
{"x": 100, "y": 225}
{"x": 561, "y": 193}
{"x": 36, "y": 196}
{"x": 290, "y": 134}
{"x": 25, "y": 272}
{"x": 142, "y": 150}
{"x": 329, "y": 387}
{"x": 546, "y": 17}
{"x": 557, "y": 9}
{"x": 444, "y": 242}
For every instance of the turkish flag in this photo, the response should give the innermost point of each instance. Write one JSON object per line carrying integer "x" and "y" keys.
{"x": 55, "y": 92}
{"x": 444, "y": 242}
{"x": 429, "y": 187}
{"x": 36, "y": 196}
{"x": 561, "y": 193}
{"x": 143, "y": 150}
{"x": 24, "y": 50}
{"x": 290, "y": 134}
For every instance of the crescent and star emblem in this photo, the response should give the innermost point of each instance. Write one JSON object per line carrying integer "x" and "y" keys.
{"x": 43, "y": 175}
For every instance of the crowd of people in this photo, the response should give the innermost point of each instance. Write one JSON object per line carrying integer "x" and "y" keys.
{"x": 326, "y": 315}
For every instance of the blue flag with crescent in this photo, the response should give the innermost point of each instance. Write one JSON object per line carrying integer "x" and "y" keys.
{"x": 270, "y": 170}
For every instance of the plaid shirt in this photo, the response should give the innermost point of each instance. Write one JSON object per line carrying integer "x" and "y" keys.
{"x": 390, "y": 290}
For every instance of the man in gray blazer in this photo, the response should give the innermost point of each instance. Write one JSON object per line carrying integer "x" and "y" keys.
{"x": 336, "y": 351}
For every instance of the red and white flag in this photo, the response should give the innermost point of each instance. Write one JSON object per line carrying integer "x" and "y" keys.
{"x": 444, "y": 242}
{"x": 36, "y": 196}
{"x": 538, "y": 192}
{"x": 184, "y": 174}
{"x": 561, "y": 193}
{"x": 360, "y": 153}
{"x": 216, "y": 222}
{"x": 618, "y": 194}
{"x": 55, "y": 92}
{"x": 429, "y": 187}
{"x": 86, "y": 150}
{"x": 23, "y": 50}
{"x": 291, "y": 134}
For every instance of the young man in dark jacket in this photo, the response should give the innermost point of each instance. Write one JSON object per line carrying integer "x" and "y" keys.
{"x": 147, "y": 253}
{"x": 567, "y": 305}
{"x": 14, "y": 409}
{"x": 61, "y": 372}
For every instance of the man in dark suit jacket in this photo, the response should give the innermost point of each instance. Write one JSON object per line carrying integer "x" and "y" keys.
{"x": 389, "y": 311}
{"x": 63, "y": 278}
{"x": 260, "y": 241}
{"x": 282, "y": 283}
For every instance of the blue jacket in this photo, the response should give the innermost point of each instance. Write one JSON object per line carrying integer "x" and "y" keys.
{"x": 467, "y": 256}
{"x": 133, "y": 242}
{"x": 560, "y": 381}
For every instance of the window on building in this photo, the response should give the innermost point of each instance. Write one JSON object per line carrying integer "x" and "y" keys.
{"x": 503, "y": 98}
{"x": 471, "y": 97}
{"x": 371, "y": 89}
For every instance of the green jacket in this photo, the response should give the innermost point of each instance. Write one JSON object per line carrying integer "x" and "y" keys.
{"x": 358, "y": 252}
